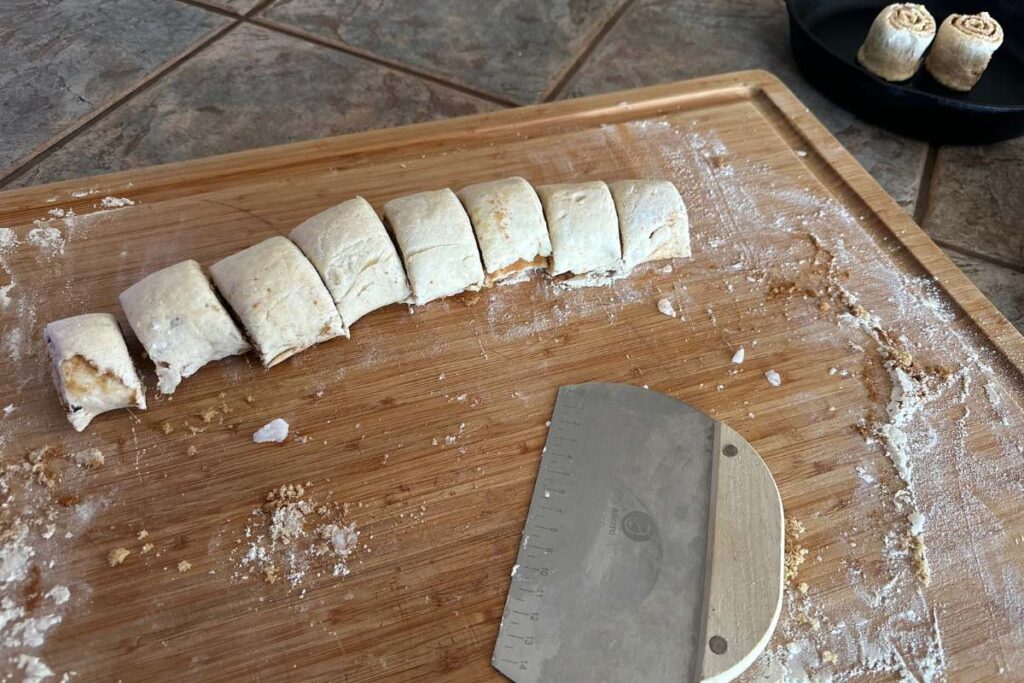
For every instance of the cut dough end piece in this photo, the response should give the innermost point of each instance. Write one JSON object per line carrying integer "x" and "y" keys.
{"x": 653, "y": 221}
{"x": 279, "y": 298}
{"x": 436, "y": 241}
{"x": 181, "y": 323}
{"x": 92, "y": 370}
{"x": 350, "y": 248}
{"x": 509, "y": 224}
{"x": 583, "y": 226}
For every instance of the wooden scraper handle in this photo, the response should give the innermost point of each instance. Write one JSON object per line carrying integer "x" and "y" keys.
{"x": 744, "y": 587}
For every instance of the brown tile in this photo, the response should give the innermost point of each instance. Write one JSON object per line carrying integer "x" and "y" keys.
{"x": 1004, "y": 287}
{"x": 252, "y": 88}
{"x": 63, "y": 59}
{"x": 977, "y": 200}
{"x": 657, "y": 41}
{"x": 512, "y": 50}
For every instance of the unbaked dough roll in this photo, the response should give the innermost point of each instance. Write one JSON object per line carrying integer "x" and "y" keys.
{"x": 963, "y": 49}
{"x": 92, "y": 369}
{"x": 652, "y": 221}
{"x": 509, "y": 224}
{"x": 583, "y": 226}
{"x": 437, "y": 244}
{"x": 279, "y": 297}
{"x": 351, "y": 250}
{"x": 180, "y": 322}
{"x": 897, "y": 41}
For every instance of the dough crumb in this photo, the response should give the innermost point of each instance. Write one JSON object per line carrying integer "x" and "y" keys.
{"x": 665, "y": 308}
{"x": 142, "y": 534}
{"x": 796, "y": 554}
{"x": 773, "y": 378}
{"x": 916, "y": 520}
{"x": 829, "y": 657}
{"x": 803, "y": 587}
{"x": 117, "y": 556}
{"x": 115, "y": 202}
{"x": 915, "y": 546}
{"x": 146, "y": 548}
{"x": 88, "y": 458}
{"x": 738, "y": 357}
{"x": 167, "y": 427}
{"x": 191, "y": 450}
{"x": 184, "y": 566}
{"x": 59, "y": 594}
{"x": 274, "y": 431}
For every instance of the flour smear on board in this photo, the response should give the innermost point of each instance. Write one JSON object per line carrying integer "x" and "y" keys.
{"x": 879, "y": 617}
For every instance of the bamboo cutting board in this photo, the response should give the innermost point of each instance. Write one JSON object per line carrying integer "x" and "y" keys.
{"x": 427, "y": 425}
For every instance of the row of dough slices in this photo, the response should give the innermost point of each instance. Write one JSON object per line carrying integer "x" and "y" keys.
{"x": 341, "y": 264}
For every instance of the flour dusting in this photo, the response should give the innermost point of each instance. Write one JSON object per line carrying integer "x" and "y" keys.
{"x": 291, "y": 537}
{"x": 923, "y": 377}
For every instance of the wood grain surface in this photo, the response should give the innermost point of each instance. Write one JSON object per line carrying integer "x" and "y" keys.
{"x": 744, "y": 585}
{"x": 428, "y": 424}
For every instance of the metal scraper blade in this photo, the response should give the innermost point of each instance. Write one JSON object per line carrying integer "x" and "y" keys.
{"x": 609, "y": 581}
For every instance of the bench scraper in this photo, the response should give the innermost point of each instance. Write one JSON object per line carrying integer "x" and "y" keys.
{"x": 652, "y": 550}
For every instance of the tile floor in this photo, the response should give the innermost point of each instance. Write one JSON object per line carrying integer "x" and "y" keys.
{"x": 100, "y": 86}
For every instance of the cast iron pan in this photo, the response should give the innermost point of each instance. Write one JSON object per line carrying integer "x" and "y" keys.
{"x": 825, "y": 36}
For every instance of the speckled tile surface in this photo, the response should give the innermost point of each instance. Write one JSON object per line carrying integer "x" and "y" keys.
{"x": 236, "y": 6}
{"x": 62, "y": 59}
{"x": 253, "y": 88}
{"x": 1004, "y": 287}
{"x": 977, "y": 200}
{"x": 666, "y": 40}
{"x": 514, "y": 50}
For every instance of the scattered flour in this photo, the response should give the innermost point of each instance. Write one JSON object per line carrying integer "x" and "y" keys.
{"x": 48, "y": 239}
{"x": 290, "y": 537}
{"x": 35, "y": 523}
{"x": 8, "y": 241}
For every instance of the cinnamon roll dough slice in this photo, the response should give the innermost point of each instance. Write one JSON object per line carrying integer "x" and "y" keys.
{"x": 92, "y": 369}
{"x": 279, "y": 298}
{"x": 436, "y": 240}
{"x": 652, "y": 221}
{"x": 180, "y": 322}
{"x": 351, "y": 250}
{"x": 583, "y": 226}
{"x": 897, "y": 40}
{"x": 509, "y": 224}
{"x": 963, "y": 49}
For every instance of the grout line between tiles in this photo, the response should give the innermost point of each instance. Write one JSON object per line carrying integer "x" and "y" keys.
{"x": 924, "y": 187}
{"x": 210, "y": 7}
{"x": 588, "y": 49}
{"x": 368, "y": 56}
{"x": 960, "y": 249}
{"x": 26, "y": 163}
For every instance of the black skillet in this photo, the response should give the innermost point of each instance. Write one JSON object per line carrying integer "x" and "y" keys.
{"x": 825, "y": 35}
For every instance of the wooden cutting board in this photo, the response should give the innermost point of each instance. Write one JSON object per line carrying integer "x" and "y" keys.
{"x": 428, "y": 424}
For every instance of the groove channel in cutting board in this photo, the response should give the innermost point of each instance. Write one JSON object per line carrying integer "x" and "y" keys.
{"x": 428, "y": 424}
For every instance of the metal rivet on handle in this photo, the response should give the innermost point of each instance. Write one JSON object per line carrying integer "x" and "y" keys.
{"x": 717, "y": 643}
{"x": 729, "y": 451}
